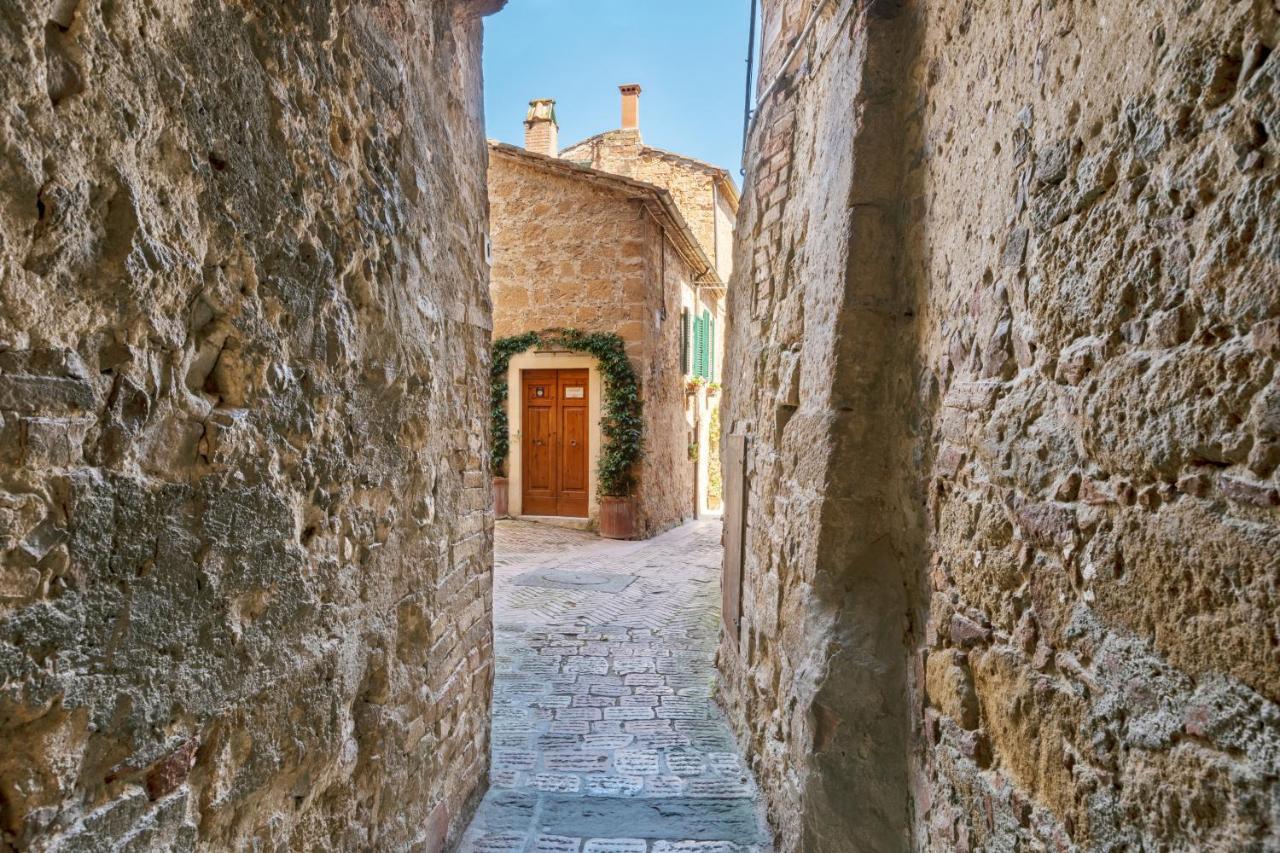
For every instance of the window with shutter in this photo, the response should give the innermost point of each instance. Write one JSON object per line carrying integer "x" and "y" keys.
{"x": 697, "y": 345}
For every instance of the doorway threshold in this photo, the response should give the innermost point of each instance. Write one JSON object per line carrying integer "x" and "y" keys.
{"x": 571, "y": 522}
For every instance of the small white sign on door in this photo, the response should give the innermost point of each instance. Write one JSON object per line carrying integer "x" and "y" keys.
{"x": 571, "y": 393}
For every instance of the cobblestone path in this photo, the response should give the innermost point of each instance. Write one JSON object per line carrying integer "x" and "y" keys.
{"x": 605, "y": 738}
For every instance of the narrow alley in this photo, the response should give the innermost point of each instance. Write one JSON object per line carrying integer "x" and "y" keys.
{"x": 605, "y": 735}
{"x": 370, "y": 372}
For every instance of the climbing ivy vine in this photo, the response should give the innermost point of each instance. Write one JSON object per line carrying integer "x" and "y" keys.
{"x": 621, "y": 423}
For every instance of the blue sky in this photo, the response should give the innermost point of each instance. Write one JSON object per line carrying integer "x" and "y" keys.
{"x": 689, "y": 56}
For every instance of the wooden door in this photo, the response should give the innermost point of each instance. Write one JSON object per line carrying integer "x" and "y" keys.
{"x": 555, "y": 449}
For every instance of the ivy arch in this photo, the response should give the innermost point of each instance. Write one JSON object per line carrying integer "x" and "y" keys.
{"x": 621, "y": 422}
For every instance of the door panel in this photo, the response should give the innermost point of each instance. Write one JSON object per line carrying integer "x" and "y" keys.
{"x": 555, "y": 442}
{"x": 574, "y": 458}
{"x": 573, "y": 422}
{"x": 538, "y": 428}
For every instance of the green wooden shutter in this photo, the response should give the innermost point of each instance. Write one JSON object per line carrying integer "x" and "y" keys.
{"x": 685, "y": 332}
{"x": 700, "y": 355}
{"x": 697, "y": 345}
{"x": 704, "y": 346}
{"x": 711, "y": 348}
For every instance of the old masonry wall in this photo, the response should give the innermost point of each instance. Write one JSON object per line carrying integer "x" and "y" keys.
{"x": 1005, "y": 329}
{"x": 245, "y": 524}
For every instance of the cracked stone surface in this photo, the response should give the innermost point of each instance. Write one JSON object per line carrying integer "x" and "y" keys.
{"x": 605, "y": 737}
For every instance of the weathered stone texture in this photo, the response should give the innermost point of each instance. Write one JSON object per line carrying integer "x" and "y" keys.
{"x": 566, "y": 252}
{"x": 245, "y": 529}
{"x": 817, "y": 680}
{"x": 698, "y": 189}
{"x": 1050, "y": 307}
{"x": 1103, "y": 490}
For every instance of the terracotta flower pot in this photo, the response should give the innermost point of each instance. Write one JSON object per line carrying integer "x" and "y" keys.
{"x": 617, "y": 518}
{"x": 500, "y": 497}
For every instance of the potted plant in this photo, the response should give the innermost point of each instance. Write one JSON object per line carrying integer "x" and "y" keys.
{"x": 501, "y": 496}
{"x": 498, "y": 454}
{"x": 617, "y": 506}
{"x": 693, "y": 384}
{"x": 617, "y": 517}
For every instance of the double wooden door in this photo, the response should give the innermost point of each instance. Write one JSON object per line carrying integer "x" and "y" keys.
{"x": 555, "y": 457}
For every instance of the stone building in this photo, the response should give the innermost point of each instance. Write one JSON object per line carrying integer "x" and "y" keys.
{"x": 637, "y": 243}
{"x": 245, "y": 526}
{"x": 1004, "y": 332}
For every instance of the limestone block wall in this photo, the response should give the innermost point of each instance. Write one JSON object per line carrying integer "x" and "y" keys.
{"x": 1099, "y": 341}
{"x": 667, "y": 472}
{"x": 615, "y": 151}
{"x": 817, "y": 375}
{"x": 1040, "y": 330}
{"x": 245, "y": 525}
{"x": 692, "y": 187}
{"x": 566, "y": 252}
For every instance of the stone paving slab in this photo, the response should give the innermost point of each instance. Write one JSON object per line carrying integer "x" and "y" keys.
{"x": 605, "y": 737}
{"x": 562, "y": 579}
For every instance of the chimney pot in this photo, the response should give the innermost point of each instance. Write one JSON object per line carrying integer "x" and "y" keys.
{"x": 630, "y": 106}
{"x": 541, "y": 130}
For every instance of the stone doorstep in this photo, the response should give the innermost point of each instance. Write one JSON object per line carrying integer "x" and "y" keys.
{"x": 565, "y": 521}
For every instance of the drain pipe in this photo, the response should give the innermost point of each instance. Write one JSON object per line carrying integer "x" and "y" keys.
{"x": 746, "y": 108}
{"x": 795, "y": 50}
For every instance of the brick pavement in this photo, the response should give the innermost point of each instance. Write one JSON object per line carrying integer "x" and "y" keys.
{"x": 605, "y": 738}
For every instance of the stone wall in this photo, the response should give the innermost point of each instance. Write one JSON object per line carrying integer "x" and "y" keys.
{"x": 245, "y": 527}
{"x": 725, "y": 216}
{"x": 692, "y": 186}
{"x": 667, "y": 481}
{"x": 1100, "y": 324}
{"x": 816, "y": 370}
{"x": 566, "y": 253}
{"x": 1031, "y": 328}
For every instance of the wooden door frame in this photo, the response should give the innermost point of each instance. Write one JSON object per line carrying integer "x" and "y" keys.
{"x": 534, "y": 360}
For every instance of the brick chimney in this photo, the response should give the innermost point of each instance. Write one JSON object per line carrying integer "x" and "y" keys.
{"x": 541, "y": 130}
{"x": 630, "y": 106}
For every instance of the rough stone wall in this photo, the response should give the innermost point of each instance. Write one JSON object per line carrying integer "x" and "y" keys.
{"x": 245, "y": 525}
{"x": 816, "y": 680}
{"x": 568, "y": 251}
{"x": 612, "y": 151}
{"x": 1100, "y": 257}
{"x": 692, "y": 190}
{"x": 1050, "y": 305}
{"x": 667, "y": 473}
{"x": 691, "y": 186}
